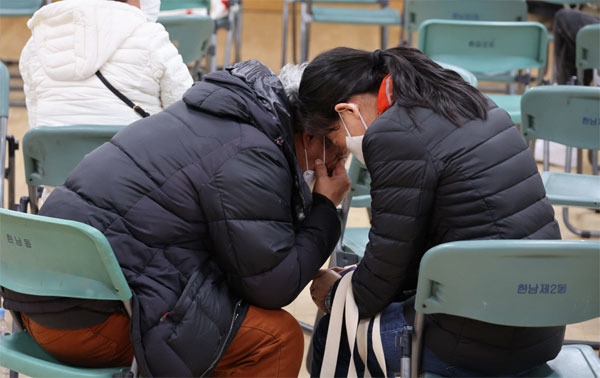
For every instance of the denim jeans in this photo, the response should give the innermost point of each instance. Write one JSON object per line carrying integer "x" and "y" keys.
{"x": 392, "y": 322}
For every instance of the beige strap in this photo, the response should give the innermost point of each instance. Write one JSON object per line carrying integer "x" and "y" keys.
{"x": 356, "y": 330}
{"x": 334, "y": 330}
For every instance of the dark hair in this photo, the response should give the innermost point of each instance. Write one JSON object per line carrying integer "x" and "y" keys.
{"x": 338, "y": 74}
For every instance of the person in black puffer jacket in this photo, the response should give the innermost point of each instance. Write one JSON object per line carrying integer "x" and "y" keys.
{"x": 446, "y": 164}
{"x": 206, "y": 209}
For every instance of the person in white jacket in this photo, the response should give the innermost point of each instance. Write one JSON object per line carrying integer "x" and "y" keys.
{"x": 72, "y": 39}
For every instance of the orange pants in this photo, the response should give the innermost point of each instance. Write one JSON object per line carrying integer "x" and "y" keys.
{"x": 104, "y": 345}
{"x": 269, "y": 343}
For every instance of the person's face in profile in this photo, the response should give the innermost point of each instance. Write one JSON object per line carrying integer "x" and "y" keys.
{"x": 320, "y": 148}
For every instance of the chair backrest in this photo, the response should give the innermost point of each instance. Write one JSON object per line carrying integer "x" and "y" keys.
{"x": 485, "y": 46}
{"x": 183, "y": 4}
{"x": 587, "y": 53}
{"x": 19, "y": 7}
{"x": 190, "y": 33}
{"x": 50, "y": 153}
{"x": 56, "y": 257}
{"x": 524, "y": 283}
{"x": 566, "y": 114}
{"x": 418, "y": 11}
{"x": 360, "y": 187}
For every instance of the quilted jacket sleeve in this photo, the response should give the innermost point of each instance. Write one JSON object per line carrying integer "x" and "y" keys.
{"x": 268, "y": 259}
{"x": 402, "y": 190}
{"x": 174, "y": 75}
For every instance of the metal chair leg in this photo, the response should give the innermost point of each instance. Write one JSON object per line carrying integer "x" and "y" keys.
{"x": 284, "y": 33}
{"x": 230, "y": 22}
{"x": 416, "y": 344}
{"x": 33, "y": 199}
{"x": 305, "y": 32}
{"x": 384, "y": 37}
{"x": 213, "y": 58}
{"x": 238, "y": 32}
{"x": 3, "y": 148}
{"x": 565, "y": 210}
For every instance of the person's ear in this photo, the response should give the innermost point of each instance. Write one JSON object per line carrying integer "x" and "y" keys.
{"x": 347, "y": 107}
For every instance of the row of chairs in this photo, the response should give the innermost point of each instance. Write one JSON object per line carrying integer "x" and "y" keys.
{"x": 414, "y": 13}
{"x": 495, "y": 281}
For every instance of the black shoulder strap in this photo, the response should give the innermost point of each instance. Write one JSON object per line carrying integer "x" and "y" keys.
{"x": 138, "y": 109}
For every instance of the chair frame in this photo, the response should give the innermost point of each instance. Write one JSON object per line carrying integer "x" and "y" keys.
{"x": 306, "y": 19}
{"x": 555, "y": 252}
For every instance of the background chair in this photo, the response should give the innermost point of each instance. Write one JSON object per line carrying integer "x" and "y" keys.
{"x": 50, "y": 153}
{"x": 481, "y": 46}
{"x": 232, "y": 23}
{"x": 55, "y": 257}
{"x": 418, "y": 11}
{"x": 568, "y": 115}
{"x": 191, "y": 34}
{"x": 383, "y": 17}
{"x": 587, "y": 53}
{"x": 523, "y": 283}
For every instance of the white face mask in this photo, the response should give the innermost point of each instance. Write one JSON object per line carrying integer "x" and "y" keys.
{"x": 309, "y": 175}
{"x": 354, "y": 143}
{"x": 150, "y": 8}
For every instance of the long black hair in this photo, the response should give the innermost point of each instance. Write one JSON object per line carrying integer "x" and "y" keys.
{"x": 338, "y": 74}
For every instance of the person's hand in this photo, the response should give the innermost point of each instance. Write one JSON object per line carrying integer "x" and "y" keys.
{"x": 322, "y": 282}
{"x": 334, "y": 187}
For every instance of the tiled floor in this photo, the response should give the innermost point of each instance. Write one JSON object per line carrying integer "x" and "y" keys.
{"x": 262, "y": 41}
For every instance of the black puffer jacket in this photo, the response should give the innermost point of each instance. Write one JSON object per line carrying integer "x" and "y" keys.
{"x": 206, "y": 210}
{"x": 434, "y": 182}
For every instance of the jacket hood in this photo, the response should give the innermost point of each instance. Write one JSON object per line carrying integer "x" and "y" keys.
{"x": 74, "y": 38}
{"x": 251, "y": 93}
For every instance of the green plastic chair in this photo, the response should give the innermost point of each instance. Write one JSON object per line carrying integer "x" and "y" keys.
{"x": 522, "y": 283}
{"x": 19, "y": 8}
{"x": 383, "y": 17}
{"x": 191, "y": 34}
{"x": 50, "y": 153}
{"x": 587, "y": 50}
{"x": 568, "y": 115}
{"x": 418, "y": 11}
{"x": 55, "y": 257}
{"x": 482, "y": 46}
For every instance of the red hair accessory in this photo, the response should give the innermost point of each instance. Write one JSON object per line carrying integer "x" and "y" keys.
{"x": 385, "y": 96}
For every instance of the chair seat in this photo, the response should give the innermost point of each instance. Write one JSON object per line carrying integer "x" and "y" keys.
{"x": 355, "y": 240}
{"x": 572, "y": 361}
{"x": 572, "y": 189}
{"x": 510, "y": 103}
{"x": 387, "y": 16}
{"x": 19, "y": 352}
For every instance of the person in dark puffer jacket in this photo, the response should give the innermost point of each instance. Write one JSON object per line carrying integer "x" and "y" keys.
{"x": 206, "y": 209}
{"x": 446, "y": 164}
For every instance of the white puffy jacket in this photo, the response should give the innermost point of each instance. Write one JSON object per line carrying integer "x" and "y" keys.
{"x": 73, "y": 39}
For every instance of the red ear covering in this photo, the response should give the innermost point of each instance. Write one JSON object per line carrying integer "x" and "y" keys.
{"x": 385, "y": 95}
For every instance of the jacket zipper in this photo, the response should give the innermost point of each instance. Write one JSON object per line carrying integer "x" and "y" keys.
{"x": 235, "y": 316}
